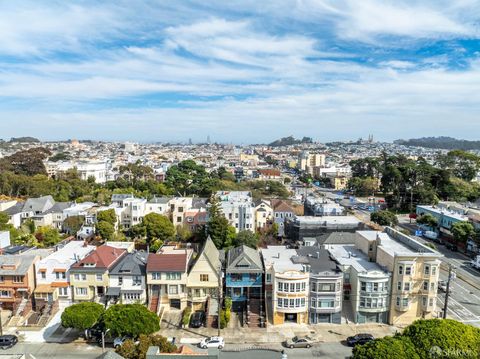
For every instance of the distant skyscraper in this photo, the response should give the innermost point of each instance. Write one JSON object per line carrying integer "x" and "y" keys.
{"x": 190, "y": 141}
{"x": 208, "y": 139}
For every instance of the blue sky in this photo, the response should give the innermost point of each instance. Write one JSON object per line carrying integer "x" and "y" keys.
{"x": 239, "y": 71}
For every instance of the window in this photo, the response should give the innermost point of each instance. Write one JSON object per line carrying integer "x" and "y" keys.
{"x": 313, "y": 303}
{"x": 172, "y": 289}
{"x": 434, "y": 270}
{"x": 424, "y": 301}
{"x": 304, "y": 286}
{"x": 297, "y": 287}
{"x": 291, "y": 303}
{"x": 327, "y": 287}
{"x": 405, "y": 302}
{"x": 81, "y": 291}
{"x": 313, "y": 287}
{"x": 427, "y": 270}
{"x": 432, "y": 286}
{"x": 17, "y": 279}
{"x": 180, "y": 209}
{"x": 408, "y": 270}
{"x": 302, "y": 302}
{"x": 42, "y": 274}
{"x": 375, "y": 287}
{"x": 400, "y": 269}
{"x": 2, "y": 278}
{"x": 131, "y": 296}
{"x": 179, "y": 219}
{"x": 58, "y": 275}
{"x": 280, "y": 303}
{"x": 363, "y": 286}
{"x": 399, "y": 286}
{"x": 137, "y": 280}
{"x": 62, "y": 292}
{"x": 297, "y": 302}
{"x": 280, "y": 286}
{"x": 4, "y": 294}
{"x": 253, "y": 277}
{"x": 425, "y": 285}
{"x": 362, "y": 302}
{"x": 120, "y": 280}
{"x": 292, "y": 287}
{"x": 174, "y": 275}
{"x": 203, "y": 277}
{"x": 236, "y": 277}
{"x": 326, "y": 303}
{"x": 430, "y": 302}
{"x": 406, "y": 286}
{"x": 156, "y": 275}
{"x": 99, "y": 277}
{"x": 398, "y": 301}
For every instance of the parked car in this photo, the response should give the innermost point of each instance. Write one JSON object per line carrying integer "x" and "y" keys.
{"x": 442, "y": 286}
{"x": 212, "y": 342}
{"x": 8, "y": 341}
{"x": 359, "y": 339}
{"x": 118, "y": 341}
{"x": 197, "y": 319}
{"x": 452, "y": 247}
{"x": 299, "y": 342}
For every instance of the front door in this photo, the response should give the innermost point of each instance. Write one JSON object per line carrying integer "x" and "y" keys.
{"x": 100, "y": 291}
{"x": 291, "y": 318}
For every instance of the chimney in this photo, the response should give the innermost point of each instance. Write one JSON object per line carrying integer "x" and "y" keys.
{"x": 318, "y": 255}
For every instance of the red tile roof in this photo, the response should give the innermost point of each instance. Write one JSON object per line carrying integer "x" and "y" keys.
{"x": 166, "y": 262}
{"x": 103, "y": 257}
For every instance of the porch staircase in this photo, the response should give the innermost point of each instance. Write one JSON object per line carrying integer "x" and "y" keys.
{"x": 154, "y": 305}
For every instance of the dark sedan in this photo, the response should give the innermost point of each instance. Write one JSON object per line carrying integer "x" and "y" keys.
{"x": 8, "y": 341}
{"x": 197, "y": 320}
{"x": 359, "y": 339}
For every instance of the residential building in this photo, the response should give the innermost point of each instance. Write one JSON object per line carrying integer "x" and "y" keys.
{"x": 263, "y": 214}
{"x": 415, "y": 272}
{"x": 127, "y": 282}
{"x": 286, "y": 285}
{"x": 238, "y": 208}
{"x": 167, "y": 273}
{"x": 133, "y": 211}
{"x": 89, "y": 277}
{"x": 281, "y": 212}
{"x": 178, "y": 207}
{"x": 366, "y": 285}
{"x": 445, "y": 217}
{"x": 244, "y": 278}
{"x": 203, "y": 276}
{"x": 309, "y": 161}
{"x": 17, "y": 281}
{"x": 53, "y": 272}
{"x": 326, "y": 285}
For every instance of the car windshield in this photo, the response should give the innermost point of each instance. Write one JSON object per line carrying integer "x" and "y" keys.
{"x": 294, "y": 339}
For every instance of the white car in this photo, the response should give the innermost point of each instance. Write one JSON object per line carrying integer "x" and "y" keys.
{"x": 212, "y": 342}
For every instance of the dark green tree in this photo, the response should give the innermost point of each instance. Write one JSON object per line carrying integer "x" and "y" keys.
{"x": 398, "y": 347}
{"x": 462, "y": 231}
{"x": 384, "y": 218}
{"x": 107, "y": 216}
{"x": 82, "y": 316}
{"x": 218, "y": 227}
{"x": 130, "y": 319}
{"x": 105, "y": 230}
{"x": 246, "y": 238}
{"x": 428, "y": 220}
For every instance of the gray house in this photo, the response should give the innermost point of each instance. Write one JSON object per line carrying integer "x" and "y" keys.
{"x": 326, "y": 286}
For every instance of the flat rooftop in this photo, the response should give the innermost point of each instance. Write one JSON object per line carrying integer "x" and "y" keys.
{"x": 328, "y": 220}
{"x": 280, "y": 257}
{"x": 444, "y": 212}
{"x": 349, "y": 255}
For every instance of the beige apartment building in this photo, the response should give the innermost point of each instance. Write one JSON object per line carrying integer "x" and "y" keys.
{"x": 415, "y": 271}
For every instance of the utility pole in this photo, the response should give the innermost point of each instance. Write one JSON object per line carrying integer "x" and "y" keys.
{"x": 1, "y": 324}
{"x": 447, "y": 293}
{"x": 219, "y": 297}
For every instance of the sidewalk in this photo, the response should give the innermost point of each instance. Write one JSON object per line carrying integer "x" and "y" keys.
{"x": 326, "y": 333}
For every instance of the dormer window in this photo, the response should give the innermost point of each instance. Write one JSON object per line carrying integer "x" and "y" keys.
{"x": 89, "y": 265}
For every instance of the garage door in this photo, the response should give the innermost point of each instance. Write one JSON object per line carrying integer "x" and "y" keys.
{"x": 175, "y": 303}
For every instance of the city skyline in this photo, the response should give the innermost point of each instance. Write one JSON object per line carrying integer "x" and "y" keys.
{"x": 239, "y": 72}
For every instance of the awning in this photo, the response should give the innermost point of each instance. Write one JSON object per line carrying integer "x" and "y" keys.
{"x": 42, "y": 270}
{"x": 113, "y": 291}
{"x": 44, "y": 288}
{"x": 59, "y": 284}
{"x": 22, "y": 289}
{"x": 61, "y": 270}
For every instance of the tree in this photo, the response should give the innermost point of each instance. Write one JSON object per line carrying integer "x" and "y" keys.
{"x": 158, "y": 227}
{"x": 73, "y": 224}
{"x": 462, "y": 231}
{"x": 47, "y": 236}
{"x": 105, "y": 230}
{"x": 130, "y": 350}
{"x": 428, "y": 220}
{"x": 447, "y": 335}
{"x": 130, "y": 319}
{"x": 3, "y": 221}
{"x": 398, "y": 347}
{"x": 82, "y": 316}
{"x": 218, "y": 228}
{"x": 188, "y": 178}
{"x": 184, "y": 233}
{"x": 363, "y": 186}
{"x": 384, "y": 218}
{"x": 108, "y": 216}
{"x": 246, "y": 238}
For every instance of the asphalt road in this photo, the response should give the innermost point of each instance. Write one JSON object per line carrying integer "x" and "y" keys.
{"x": 54, "y": 350}
{"x": 85, "y": 351}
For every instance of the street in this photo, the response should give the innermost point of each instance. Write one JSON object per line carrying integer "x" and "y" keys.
{"x": 85, "y": 351}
